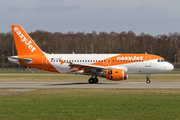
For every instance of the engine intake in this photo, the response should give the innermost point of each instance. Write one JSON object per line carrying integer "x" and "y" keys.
{"x": 115, "y": 74}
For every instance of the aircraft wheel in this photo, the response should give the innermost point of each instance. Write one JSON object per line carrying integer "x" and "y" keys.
{"x": 96, "y": 80}
{"x": 91, "y": 80}
{"x": 148, "y": 81}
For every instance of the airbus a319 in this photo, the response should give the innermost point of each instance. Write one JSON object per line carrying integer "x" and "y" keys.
{"x": 115, "y": 67}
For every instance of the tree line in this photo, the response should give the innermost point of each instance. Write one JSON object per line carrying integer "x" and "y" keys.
{"x": 167, "y": 46}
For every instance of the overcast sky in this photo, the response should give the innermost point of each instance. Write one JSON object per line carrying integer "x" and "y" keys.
{"x": 149, "y": 16}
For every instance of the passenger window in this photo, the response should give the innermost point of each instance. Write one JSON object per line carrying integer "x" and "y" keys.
{"x": 112, "y": 60}
{"x": 104, "y": 60}
{"x": 115, "y": 60}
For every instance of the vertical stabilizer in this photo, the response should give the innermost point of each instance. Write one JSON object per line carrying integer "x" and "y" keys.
{"x": 24, "y": 44}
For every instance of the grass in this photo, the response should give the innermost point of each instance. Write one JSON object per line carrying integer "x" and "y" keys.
{"x": 26, "y": 71}
{"x": 84, "y": 78}
{"x": 173, "y": 72}
{"x": 91, "y": 104}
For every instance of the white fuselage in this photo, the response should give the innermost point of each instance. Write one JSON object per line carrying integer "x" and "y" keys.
{"x": 143, "y": 67}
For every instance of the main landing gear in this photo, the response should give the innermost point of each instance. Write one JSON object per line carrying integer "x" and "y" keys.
{"x": 93, "y": 80}
{"x": 147, "y": 77}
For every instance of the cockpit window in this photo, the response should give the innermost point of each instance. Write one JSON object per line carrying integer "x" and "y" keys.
{"x": 161, "y": 60}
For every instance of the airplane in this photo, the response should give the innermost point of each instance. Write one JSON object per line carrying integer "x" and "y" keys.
{"x": 115, "y": 67}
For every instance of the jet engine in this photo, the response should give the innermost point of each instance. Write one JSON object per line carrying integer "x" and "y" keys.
{"x": 115, "y": 74}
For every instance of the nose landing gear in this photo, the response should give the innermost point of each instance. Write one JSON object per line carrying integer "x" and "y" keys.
{"x": 148, "y": 81}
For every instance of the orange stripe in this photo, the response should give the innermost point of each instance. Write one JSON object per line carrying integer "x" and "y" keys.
{"x": 126, "y": 57}
{"x": 62, "y": 62}
{"x": 83, "y": 68}
{"x": 79, "y": 69}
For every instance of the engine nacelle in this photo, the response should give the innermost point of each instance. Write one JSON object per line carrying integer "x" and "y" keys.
{"x": 115, "y": 74}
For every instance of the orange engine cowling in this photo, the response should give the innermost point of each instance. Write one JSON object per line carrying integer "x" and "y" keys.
{"x": 115, "y": 74}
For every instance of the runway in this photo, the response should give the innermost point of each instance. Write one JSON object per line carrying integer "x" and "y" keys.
{"x": 85, "y": 85}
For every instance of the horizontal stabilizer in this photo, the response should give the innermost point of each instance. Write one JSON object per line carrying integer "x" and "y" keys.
{"x": 15, "y": 58}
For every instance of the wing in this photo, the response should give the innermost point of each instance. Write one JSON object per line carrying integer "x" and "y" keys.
{"x": 87, "y": 69}
{"x": 91, "y": 69}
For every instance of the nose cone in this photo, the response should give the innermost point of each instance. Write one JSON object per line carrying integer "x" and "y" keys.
{"x": 170, "y": 67}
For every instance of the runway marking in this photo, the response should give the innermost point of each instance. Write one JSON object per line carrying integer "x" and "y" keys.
{"x": 86, "y": 85}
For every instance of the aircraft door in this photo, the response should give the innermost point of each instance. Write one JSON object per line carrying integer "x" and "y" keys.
{"x": 44, "y": 61}
{"x": 148, "y": 61}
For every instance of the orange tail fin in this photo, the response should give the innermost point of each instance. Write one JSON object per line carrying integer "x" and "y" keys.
{"x": 24, "y": 44}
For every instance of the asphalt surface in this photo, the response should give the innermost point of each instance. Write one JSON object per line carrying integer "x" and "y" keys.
{"x": 85, "y": 85}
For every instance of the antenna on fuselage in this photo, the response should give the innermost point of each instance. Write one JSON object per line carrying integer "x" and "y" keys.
{"x": 145, "y": 52}
{"x": 72, "y": 52}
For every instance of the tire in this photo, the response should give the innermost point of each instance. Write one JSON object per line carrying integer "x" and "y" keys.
{"x": 91, "y": 80}
{"x": 96, "y": 80}
{"x": 148, "y": 81}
